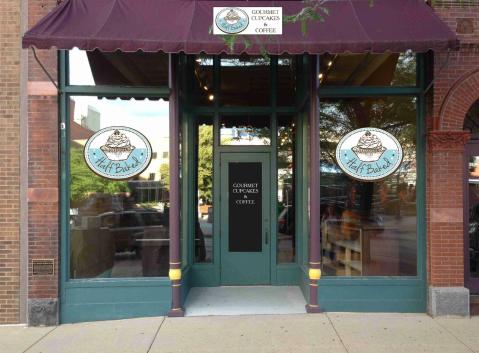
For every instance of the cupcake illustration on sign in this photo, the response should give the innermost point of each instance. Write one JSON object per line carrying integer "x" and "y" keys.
{"x": 117, "y": 147}
{"x": 369, "y": 147}
{"x": 118, "y": 153}
{"x": 369, "y": 154}
{"x": 232, "y": 20}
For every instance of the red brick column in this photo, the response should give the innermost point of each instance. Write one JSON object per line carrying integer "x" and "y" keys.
{"x": 445, "y": 210}
{"x": 456, "y": 89}
{"x": 9, "y": 162}
{"x": 43, "y": 174}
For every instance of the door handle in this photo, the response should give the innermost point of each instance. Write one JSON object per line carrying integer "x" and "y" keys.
{"x": 266, "y": 237}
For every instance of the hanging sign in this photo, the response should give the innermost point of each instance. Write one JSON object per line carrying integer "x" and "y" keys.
{"x": 118, "y": 153}
{"x": 369, "y": 154}
{"x": 248, "y": 20}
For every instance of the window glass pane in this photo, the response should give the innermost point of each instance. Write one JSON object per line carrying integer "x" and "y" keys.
{"x": 245, "y": 81}
{"x": 203, "y": 84}
{"x": 119, "y": 228}
{"x": 388, "y": 69}
{"x": 286, "y": 190}
{"x": 118, "y": 68}
{"x": 471, "y": 122}
{"x": 286, "y": 81}
{"x": 473, "y": 190}
{"x": 204, "y": 182}
{"x": 245, "y": 130}
{"x": 368, "y": 228}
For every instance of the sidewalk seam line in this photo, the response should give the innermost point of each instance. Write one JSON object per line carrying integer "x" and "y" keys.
{"x": 38, "y": 340}
{"x": 337, "y": 333}
{"x": 156, "y": 334}
{"x": 453, "y": 335}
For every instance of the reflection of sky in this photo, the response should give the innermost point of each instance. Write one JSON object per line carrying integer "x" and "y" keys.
{"x": 80, "y": 72}
{"x": 149, "y": 117}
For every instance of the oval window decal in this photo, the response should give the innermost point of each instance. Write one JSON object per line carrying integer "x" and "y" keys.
{"x": 369, "y": 154}
{"x": 232, "y": 20}
{"x": 117, "y": 152}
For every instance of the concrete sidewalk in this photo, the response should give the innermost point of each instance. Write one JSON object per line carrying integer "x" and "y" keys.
{"x": 331, "y": 332}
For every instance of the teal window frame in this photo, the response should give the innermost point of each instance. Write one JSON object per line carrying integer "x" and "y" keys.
{"x": 78, "y": 296}
{"x": 416, "y": 284}
{"x": 208, "y": 274}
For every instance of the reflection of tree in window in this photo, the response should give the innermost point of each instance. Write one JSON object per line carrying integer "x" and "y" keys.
{"x": 368, "y": 228}
{"x": 84, "y": 182}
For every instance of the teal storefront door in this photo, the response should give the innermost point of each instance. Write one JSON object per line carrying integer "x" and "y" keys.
{"x": 245, "y": 218}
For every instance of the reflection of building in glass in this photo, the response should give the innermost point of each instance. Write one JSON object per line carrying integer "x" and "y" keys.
{"x": 92, "y": 119}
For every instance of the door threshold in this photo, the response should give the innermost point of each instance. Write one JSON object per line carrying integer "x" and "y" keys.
{"x": 244, "y": 300}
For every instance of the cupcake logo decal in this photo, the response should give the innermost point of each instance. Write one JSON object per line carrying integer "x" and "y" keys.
{"x": 232, "y": 20}
{"x": 118, "y": 153}
{"x": 369, "y": 154}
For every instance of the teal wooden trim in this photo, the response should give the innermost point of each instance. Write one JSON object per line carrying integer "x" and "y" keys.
{"x": 64, "y": 163}
{"x": 298, "y": 192}
{"x": 118, "y": 282}
{"x": 256, "y": 265}
{"x": 305, "y": 188}
{"x": 64, "y": 67}
{"x": 287, "y": 275}
{"x": 186, "y": 189}
{"x": 421, "y": 173}
{"x": 258, "y": 148}
{"x": 273, "y": 156}
{"x": 367, "y": 91}
{"x": 121, "y": 91}
{"x": 216, "y": 176}
{"x": 204, "y": 275}
{"x": 107, "y": 303}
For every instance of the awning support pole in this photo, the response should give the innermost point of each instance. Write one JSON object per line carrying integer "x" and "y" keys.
{"x": 43, "y": 68}
{"x": 174, "y": 216}
{"x": 314, "y": 272}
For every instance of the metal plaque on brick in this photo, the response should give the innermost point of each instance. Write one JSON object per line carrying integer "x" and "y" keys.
{"x": 43, "y": 267}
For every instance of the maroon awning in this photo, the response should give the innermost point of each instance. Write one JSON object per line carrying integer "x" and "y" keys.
{"x": 174, "y": 26}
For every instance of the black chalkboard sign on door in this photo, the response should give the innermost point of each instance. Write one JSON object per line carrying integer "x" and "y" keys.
{"x": 245, "y": 207}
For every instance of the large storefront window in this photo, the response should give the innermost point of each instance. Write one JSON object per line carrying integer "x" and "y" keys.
{"x": 119, "y": 228}
{"x": 368, "y": 228}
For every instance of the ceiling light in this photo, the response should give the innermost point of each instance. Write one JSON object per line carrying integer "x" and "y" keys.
{"x": 211, "y": 97}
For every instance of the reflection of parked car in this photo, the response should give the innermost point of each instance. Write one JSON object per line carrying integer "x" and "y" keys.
{"x": 129, "y": 226}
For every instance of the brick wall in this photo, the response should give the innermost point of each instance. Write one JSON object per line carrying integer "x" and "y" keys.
{"x": 43, "y": 168}
{"x": 9, "y": 161}
{"x": 456, "y": 88}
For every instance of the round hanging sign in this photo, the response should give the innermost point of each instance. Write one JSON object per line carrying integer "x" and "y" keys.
{"x": 117, "y": 152}
{"x": 369, "y": 154}
{"x": 232, "y": 20}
